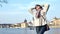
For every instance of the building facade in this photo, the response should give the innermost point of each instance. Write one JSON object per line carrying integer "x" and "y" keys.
{"x": 55, "y": 23}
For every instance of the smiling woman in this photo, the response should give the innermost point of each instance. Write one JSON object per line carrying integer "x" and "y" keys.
{"x": 15, "y": 7}
{"x": 16, "y": 11}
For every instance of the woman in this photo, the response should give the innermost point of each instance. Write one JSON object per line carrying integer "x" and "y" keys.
{"x": 39, "y": 13}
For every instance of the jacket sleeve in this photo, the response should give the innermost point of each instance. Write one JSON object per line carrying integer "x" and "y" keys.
{"x": 45, "y": 8}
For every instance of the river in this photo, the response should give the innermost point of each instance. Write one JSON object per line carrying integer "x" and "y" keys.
{"x": 26, "y": 31}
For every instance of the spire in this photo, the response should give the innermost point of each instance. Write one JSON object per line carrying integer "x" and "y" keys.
{"x": 25, "y": 20}
{"x": 55, "y": 18}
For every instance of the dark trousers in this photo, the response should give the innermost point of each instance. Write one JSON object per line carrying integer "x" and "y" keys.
{"x": 40, "y": 29}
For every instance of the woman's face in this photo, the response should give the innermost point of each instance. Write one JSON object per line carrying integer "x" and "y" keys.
{"x": 38, "y": 8}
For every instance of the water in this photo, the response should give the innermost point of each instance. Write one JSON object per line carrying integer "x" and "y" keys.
{"x": 53, "y": 31}
{"x": 26, "y": 31}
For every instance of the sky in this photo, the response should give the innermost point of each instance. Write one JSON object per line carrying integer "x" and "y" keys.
{"x": 16, "y": 11}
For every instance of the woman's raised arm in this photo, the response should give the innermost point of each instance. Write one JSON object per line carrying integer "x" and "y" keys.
{"x": 45, "y": 8}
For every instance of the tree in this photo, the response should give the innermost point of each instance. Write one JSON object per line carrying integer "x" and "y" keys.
{"x": 3, "y": 1}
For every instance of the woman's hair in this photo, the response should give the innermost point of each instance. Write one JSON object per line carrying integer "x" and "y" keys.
{"x": 39, "y": 6}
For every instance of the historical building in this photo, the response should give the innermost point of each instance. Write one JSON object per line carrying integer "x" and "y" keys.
{"x": 55, "y": 22}
{"x": 24, "y": 24}
{"x": 20, "y": 25}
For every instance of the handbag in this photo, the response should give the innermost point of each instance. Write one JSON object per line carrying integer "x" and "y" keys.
{"x": 47, "y": 27}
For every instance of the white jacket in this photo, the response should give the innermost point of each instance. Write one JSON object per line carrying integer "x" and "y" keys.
{"x": 42, "y": 20}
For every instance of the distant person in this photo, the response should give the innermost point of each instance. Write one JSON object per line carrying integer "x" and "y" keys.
{"x": 39, "y": 13}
